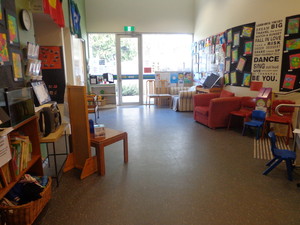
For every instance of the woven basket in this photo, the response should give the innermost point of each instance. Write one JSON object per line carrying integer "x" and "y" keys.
{"x": 27, "y": 213}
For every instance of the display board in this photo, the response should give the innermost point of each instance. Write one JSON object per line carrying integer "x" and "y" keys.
{"x": 290, "y": 71}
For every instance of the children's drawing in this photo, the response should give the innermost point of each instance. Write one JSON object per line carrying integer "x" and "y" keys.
{"x": 234, "y": 56}
{"x": 241, "y": 64}
{"x": 236, "y": 39}
{"x": 12, "y": 29}
{"x": 233, "y": 77}
{"x": 292, "y": 44}
{"x": 229, "y": 36}
{"x": 226, "y": 78}
{"x": 228, "y": 51}
{"x": 247, "y": 31}
{"x": 295, "y": 61}
{"x": 227, "y": 65}
{"x": 293, "y": 26}
{"x": 174, "y": 78}
{"x": 289, "y": 81}
{"x": 4, "y": 57}
{"x": 248, "y": 48}
{"x": 17, "y": 66}
{"x": 246, "y": 79}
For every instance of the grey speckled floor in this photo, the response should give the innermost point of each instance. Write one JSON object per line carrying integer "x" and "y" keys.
{"x": 179, "y": 172}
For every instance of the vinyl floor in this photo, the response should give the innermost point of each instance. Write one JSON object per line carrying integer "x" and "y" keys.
{"x": 179, "y": 173}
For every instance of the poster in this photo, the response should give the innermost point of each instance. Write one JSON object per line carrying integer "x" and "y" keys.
{"x": 50, "y": 57}
{"x": 267, "y": 48}
{"x": 17, "y": 66}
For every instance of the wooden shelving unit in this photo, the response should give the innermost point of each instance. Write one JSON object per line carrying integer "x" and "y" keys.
{"x": 29, "y": 128}
{"x": 107, "y": 92}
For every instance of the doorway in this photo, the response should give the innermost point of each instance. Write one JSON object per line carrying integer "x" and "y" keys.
{"x": 129, "y": 68}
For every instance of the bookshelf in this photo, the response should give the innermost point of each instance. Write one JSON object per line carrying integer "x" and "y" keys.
{"x": 108, "y": 94}
{"x": 34, "y": 166}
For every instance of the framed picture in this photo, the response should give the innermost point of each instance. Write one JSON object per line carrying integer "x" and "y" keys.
{"x": 248, "y": 48}
{"x": 4, "y": 56}
{"x": 236, "y": 39}
{"x": 241, "y": 64}
{"x": 12, "y": 26}
{"x": 17, "y": 65}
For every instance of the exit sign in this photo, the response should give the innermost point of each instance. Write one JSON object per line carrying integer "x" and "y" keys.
{"x": 129, "y": 28}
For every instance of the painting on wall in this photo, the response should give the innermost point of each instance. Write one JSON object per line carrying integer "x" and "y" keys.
{"x": 235, "y": 55}
{"x": 229, "y": 36}
{"x": 226, "y": 79}
{"x": 292, "y": 44}
{"x": 1, "y": 13}
{"x": 227, "y": 65}
{"x": 228, "y": 51}
{"x": 247, "y": 79}
{"x": 293, "y": 26}
{"x": 12, "y": 29}
{"x": 236, "y": 39}
{"x": 4, "y": 56}
{"x": 248, "y": 48}
{"x": 241, "y": 64}
{"x": 295, "y": 61}
{"x": 247, "y": 32}
{"x": 233, "y": 77}
{"x": 289, "y": 81}
{"x": 17, "y": 65}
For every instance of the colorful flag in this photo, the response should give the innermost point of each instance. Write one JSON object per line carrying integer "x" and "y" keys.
{"x": 54, "y": 9}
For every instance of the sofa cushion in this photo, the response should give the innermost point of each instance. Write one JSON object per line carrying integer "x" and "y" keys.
{"x": 203, "y": 110}
{"x": 225, "y": 93}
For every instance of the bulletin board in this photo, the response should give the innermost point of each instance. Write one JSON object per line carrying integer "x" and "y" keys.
{"x": 290, "y": 70}
{"x": 53, "y": 71}
{"x": 238, "y": 55}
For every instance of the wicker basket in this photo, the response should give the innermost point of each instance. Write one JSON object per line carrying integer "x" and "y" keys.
{"x": 27, "y": 213}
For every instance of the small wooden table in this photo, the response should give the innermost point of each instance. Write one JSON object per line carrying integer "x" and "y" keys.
{"x": 111, "y": 136}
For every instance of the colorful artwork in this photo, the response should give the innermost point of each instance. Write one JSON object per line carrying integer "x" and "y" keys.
{"x": 17, "y": 66}
{"x": 1, "y": 14}
{"x": 293, "y": 26}
{"x": 247, "y": 31}
{"x": 188, "y": 78}
{"x": 12, "y": 29}
{"x": 227, "y": 65}
{"x": 226, "y": 78}
{"x": 228, "y": 50}
{"x": 174, "y": 78}
{"x": 247, "y": 79}
{"x": 235, "y": 55}
{"x": 289, "y": 81}
{"x": 229, "y": 36}
{"x": 248, "y": 48}
{"x": 233, "y": 77}
{"x": 241, "y": 64}
{"x": 292, "y": 44}
{"x": 295, "y": 61}
{"x": 236, "y": 39}
{"x": 51, "y": 57}
{"x": 4, "y": 57}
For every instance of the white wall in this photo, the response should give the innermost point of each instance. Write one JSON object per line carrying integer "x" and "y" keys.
{"x": 166, "y": 16}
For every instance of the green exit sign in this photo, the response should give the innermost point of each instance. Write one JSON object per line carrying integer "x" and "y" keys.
{"x": 129, "y": 28}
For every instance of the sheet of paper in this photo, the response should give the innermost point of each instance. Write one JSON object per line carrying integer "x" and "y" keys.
{"x": 5, "y": 154}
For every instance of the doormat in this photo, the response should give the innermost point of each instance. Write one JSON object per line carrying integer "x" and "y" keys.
{"x": 262, "y": 147}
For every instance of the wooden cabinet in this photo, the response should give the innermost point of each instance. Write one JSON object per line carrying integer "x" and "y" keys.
{"x": 28, "y": 128}
{"x": 107, "y": 93}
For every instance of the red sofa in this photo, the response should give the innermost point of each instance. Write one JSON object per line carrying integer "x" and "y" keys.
{"x": 213, "y": 109}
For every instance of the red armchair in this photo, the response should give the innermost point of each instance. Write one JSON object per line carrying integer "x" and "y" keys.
{"x": 213, "y": 109}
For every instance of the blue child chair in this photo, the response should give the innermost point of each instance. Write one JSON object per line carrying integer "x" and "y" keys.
{"x": 279, "y": 156}
{"x": 257, "y": 121}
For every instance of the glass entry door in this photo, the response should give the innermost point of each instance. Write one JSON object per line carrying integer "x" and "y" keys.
{"x": 129, "y": 69}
